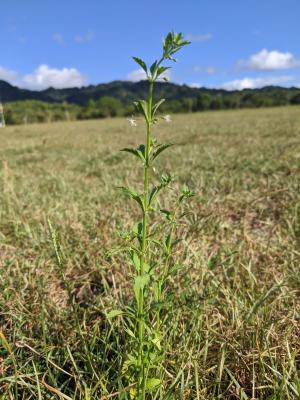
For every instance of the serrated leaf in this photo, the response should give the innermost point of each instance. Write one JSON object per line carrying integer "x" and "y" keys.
{"x": 160, "y": 149}
{"x": 114, "y": 313}
{"x": 141, "y": 63}
{"x": 140, "y": 283}
{"x": 152, "y": 383}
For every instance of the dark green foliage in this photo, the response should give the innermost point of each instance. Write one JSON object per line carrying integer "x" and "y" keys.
{"x": 116, "y": 98}
{"x": 32, "y": 111}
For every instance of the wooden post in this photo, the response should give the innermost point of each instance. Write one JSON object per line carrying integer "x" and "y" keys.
{"x": 2, "y": 119}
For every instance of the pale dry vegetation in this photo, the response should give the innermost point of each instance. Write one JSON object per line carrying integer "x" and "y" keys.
{"x": 232, "y": 326}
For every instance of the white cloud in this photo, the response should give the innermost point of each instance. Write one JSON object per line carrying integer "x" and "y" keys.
{"x": 59, "y": 39}
{"x": 270, "y": 60}
{"x": 44, "y": 77}
{"x": 87, "y": 37}
{"x": 140, "y": 75}
{"x": 253, "y": 83}
{"x": 210, "y": 70}
{"x": 8, "y": 76}
{"x": 204, "y": 37}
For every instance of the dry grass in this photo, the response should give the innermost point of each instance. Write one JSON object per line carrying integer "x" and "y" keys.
{"x": 233, "y": 321}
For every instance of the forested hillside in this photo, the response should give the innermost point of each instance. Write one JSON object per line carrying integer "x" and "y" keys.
{"x": 116, "y": 99}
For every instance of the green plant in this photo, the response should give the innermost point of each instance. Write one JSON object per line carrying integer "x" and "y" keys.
{"x": 149, "y": 251}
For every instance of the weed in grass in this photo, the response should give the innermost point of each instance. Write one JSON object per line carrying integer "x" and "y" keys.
{"x": 150, "y": 251}
{"x": 232, "y": 328}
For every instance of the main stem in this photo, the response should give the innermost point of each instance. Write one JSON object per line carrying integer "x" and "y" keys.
{"x": 165, "y": 272}
{"x": 141, "y": 320}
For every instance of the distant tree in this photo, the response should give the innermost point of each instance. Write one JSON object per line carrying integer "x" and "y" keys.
{"x": 109, "y": 106}
{"x": 204, "y": 101}
{"x": 217, "y": 103}
{"x": 295, "y": 99}
{"x": 187, "y": 105}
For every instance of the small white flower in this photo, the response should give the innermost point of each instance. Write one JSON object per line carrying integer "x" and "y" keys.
{"x": 167, "y": 118}
{"x": 132, "y": 121}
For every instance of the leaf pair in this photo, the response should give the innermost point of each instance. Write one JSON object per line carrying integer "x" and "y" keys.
{"x": 140, "y": 151}
{"x": 156, "y": 70}
{"x": 142, "y": 107}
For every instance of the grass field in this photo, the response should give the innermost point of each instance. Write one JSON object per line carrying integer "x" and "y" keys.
{"x": 233, "y": 320}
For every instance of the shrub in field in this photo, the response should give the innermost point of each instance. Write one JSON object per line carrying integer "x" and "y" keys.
{"x": 150, "y": 250}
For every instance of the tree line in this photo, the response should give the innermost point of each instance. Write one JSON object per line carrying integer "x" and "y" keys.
{"x": 33, "y": 111}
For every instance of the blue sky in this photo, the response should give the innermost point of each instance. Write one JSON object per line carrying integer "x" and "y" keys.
{"x": 64, "y": 43}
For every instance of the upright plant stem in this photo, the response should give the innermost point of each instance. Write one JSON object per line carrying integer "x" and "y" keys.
{"x": 165, "y": 271}
{"x": 141, "y": 322}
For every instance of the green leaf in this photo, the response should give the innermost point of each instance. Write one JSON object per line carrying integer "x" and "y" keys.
{"x": 140, "y": 283}
{"x": 139, "y": 152}
{"x": 156, "y": 342}
{"x": 138, "y": 229}
{"x": 142, "y": 107}
{"x": 141, "y": 63}
{"x": 167, "y": 241}
{"x": 156, "y": 106}
{"x": 186, "y": 194}
{"x": 131, "y": 193}
{"x": 160, "y": 149}
{"x": 131, "y": 151}
{"x": 152, "y": 383}
{"x": 166, "y": 179}
{"x": 161, "y": 70}
{"x": 153, "y": 194}
{"x": 167, "y": 214}
{"x": 129, "y": 332}
{"x": 135, "y": 260}
{"x": 114, "y": 313}
{"x": 147, "y": 268}
{"x": 153, "y": 68}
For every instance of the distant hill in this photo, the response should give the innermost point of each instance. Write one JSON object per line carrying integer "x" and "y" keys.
{"x": 116, "y": 99}
{"x": 126, "y": 92}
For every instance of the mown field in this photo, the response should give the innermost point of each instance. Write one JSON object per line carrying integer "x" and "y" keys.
{"x": 232, "y": 327}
